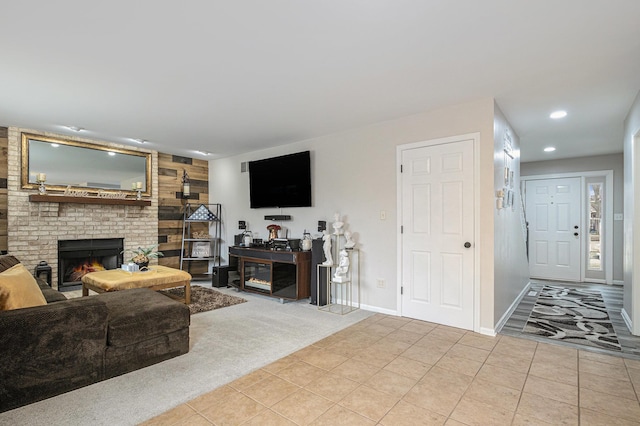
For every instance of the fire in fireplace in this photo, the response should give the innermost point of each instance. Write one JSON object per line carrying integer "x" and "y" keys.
{"x": 79, "y": 257}
{"x": 76, "y": 272}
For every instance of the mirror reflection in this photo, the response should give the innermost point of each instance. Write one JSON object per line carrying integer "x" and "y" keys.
{"x": 82, "y": 165}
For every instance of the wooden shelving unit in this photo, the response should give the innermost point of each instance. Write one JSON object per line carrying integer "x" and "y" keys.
{"x": 211, "y": 225}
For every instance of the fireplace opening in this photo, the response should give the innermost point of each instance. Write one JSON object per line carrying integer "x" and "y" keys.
{"x": 79, "y": 257}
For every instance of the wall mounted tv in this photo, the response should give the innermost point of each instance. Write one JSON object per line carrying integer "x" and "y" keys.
{"x": 281, "y": 181}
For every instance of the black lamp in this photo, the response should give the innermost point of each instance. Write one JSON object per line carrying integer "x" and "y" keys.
{"x": 186, "y": 186}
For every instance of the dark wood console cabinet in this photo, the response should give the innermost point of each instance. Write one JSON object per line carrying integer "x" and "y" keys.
{"x": 282, "y": 274}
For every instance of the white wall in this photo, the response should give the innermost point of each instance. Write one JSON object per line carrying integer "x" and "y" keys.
{"x": 613, "y": 162}
{"x": 354, "y": 173}
{"x": 631, "y": 304}
{"x": 511, "y": 265}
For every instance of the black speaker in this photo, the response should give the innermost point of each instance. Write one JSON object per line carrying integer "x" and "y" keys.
{"x": 317, "y": 257}
{"x": 277, "y": 217}
{"x": 220, "y": 276}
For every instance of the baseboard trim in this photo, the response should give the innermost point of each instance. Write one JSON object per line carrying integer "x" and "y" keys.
{"x": 379, "y": 310}
{"x": 488, "y": 331}
{"x": 627, "y": 320}
{"x": 514, "y": 305}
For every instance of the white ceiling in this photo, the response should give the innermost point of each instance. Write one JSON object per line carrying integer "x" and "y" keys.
{"x": 235, "y": 76}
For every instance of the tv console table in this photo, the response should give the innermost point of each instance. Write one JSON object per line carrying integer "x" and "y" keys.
{"x": 282, "y": 274}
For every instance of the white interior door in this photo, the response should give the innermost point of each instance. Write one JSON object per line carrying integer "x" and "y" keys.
{"x": 438, "y": 229}
{"x": 553, "y": 211}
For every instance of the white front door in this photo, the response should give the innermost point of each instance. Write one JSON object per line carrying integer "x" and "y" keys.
{"x": 553, "y": 212}
{"x": 438, "y": 230}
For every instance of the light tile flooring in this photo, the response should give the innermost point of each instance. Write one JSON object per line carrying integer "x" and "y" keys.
{"x": 396, "y": 371}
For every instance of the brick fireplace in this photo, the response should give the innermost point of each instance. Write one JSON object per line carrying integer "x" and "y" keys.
{"x": 34, "y": 229}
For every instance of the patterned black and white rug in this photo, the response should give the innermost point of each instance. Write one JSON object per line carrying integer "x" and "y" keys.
{"x": 572, "y": 315}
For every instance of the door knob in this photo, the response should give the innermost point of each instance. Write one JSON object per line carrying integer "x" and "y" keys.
{"x": 575, "y": 233}
{"x": 467, "y": 244}
{"x": 575, "y": 227}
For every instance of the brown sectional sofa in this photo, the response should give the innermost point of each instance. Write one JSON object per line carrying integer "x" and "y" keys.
{"x": 66, "y": 344}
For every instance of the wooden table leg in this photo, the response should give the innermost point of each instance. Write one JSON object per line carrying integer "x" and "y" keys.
{"x": 187, "y": 293}
{"x": 85, "y": 290}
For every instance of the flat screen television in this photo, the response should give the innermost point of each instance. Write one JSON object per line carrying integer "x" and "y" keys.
{"x": 281, "y": 181}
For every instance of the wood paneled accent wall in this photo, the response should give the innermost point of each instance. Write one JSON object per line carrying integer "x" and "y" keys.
{"x": 171, "y": 204}
{"x": 4, "y": 144}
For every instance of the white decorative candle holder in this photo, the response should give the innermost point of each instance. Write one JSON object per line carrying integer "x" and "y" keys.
{"x": 42, "y": 190}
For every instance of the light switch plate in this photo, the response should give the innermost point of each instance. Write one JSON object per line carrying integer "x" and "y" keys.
{"x": 618, "y": 216}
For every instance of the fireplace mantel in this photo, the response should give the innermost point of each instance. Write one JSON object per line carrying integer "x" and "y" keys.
{"x": 37, "y": 198}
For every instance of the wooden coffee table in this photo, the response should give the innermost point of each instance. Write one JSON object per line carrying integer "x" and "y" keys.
{"x": 156, "y": 278}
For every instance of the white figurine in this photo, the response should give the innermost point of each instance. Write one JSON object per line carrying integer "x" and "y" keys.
{"x": 326, "y": 246}
{"x": 343, "y": 267}
{"x": 349, "y": 243}
{"x": 337, "y": 224}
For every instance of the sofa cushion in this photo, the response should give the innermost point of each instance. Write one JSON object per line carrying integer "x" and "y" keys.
{"x": 140, "y": 314}
{"x": 50, "y": 294}
{"x": 7, "y": 261}
{"x": 18, "y": 289}
{"x": 51, "y": 349}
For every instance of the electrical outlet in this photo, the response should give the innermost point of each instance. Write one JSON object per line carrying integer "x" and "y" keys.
{"x": 380, "y": 283}
{"x": 383, "y": 215}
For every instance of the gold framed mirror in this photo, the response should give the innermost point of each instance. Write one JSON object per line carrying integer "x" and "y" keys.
{"x": 83, "y": 166}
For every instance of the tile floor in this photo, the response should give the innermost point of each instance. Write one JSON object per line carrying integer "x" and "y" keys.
{"x": 396, "y": 371}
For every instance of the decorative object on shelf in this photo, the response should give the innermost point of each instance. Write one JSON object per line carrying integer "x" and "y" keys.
{"x": 201, "y": 249}
{"x": 112, "y": 195}
{"x": 201, "y": 235}
{"x": 137, "y": 186}
{"x": 247, "y": 238}
{"x": 186, "y": 185}
{"x": 342, "y": 270}
{"x": 306, "y": 241}
{"x": 41, "y": 178}
{"x": 337, "y": 224}
{"x": 141, "y": 256}
{"x": 322, "y": 225}
{"x": 75, "y": 192}
{"x": 273, "y": 231}
{"x": 202, "y": 213}
{"x": 349, "y": 242}
{"x": 326, "y": 247}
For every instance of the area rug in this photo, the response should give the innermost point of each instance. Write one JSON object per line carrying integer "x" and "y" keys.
{"x": 572, "y": 315}
{"x": 205, "y": 299}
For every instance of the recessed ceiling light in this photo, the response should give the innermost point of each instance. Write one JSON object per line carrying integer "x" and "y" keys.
{"x": 75, "y": 128}
{"x": 558, "y": 114}
{"x": 203, "y": 152}
{"x": 55, "y": 145}
{"x": 140, "y": 140}
{"x": 111, "y": 153}
{"x": 549, "y": 149}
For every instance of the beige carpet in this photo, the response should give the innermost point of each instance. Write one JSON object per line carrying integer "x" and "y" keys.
{"x": 225, "y": 344}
